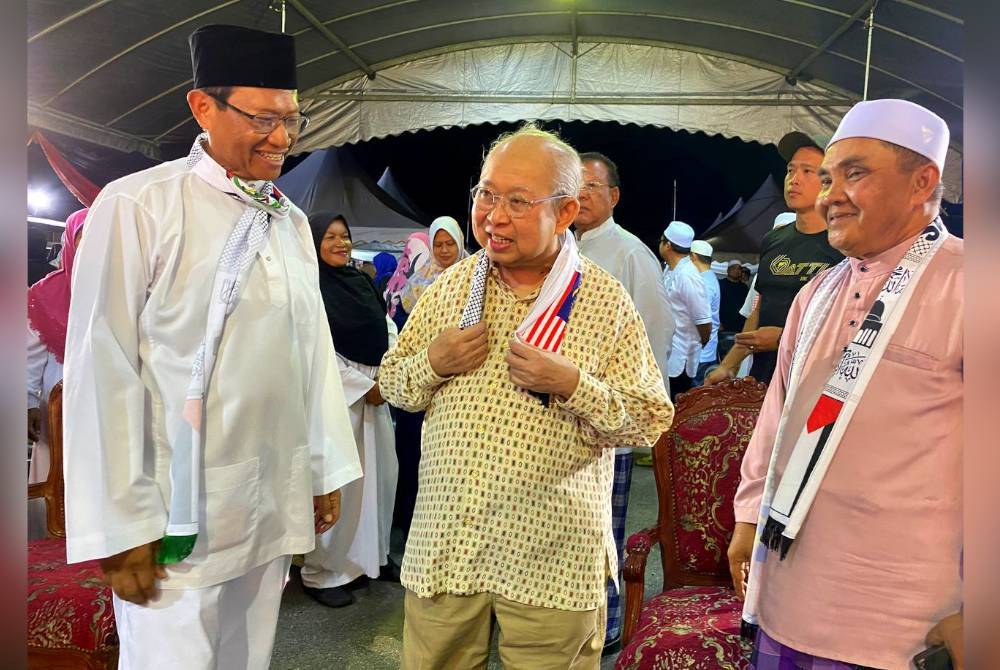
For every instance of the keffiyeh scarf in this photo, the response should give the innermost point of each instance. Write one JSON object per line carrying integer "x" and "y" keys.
{"x": 545, "y": 325}
{"x": 248, "y": 237}
{"x": 785, "y": 503}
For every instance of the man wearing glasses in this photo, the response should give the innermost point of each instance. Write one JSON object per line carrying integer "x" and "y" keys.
{"x": 533, "y": 365}
{"x": 206, "y": 429}
{"x": 631, "y": 262}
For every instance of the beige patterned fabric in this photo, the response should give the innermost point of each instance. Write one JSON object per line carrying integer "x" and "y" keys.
{"x": 514, "y": 497}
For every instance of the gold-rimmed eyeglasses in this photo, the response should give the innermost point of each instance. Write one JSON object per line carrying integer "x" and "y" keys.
{"x": 591, "y": 186}
{"x": 486, "y": 200}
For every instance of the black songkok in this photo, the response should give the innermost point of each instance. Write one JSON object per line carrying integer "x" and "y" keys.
{"x": 238, "y": 56}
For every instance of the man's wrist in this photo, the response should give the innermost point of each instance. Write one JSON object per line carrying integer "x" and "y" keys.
{"x": 572, "y": 381}
{"x": 728, "y": 368}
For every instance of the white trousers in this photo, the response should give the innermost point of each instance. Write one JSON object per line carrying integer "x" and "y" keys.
{"x": 229, "y": 626}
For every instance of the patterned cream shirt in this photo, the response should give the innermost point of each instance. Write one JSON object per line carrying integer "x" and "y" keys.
{"x": 514, "y": 497}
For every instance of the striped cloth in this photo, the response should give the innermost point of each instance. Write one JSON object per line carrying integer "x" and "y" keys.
{"x": 547, "y": 331}
{"x": 769, "y": 654}
{"x": 545, "y": 324}
{"x": 619, "y": 507}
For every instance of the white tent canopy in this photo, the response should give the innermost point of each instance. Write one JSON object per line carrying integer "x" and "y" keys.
{"x": 607, "y": 81}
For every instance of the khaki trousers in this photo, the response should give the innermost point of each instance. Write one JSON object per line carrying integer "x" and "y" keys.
{"x": 452, "y": 632}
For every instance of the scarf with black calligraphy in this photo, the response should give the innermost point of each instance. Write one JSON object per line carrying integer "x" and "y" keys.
{"x": 261, "y": 201}
{"x": 545, "y": 325}
{"x": 785, "y": 504}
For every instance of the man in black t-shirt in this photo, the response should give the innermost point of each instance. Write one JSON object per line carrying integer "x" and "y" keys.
{"x": 732, "y": 294}
{"x": 789, "y": 257}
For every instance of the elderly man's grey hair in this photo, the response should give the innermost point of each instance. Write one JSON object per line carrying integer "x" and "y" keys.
{"x": 569, "y": 174}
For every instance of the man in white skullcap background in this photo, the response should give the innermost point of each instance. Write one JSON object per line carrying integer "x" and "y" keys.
{"x": 689, "y": 302}
{"x": 701, "y": 257}
{"x": 207, "y": 434}
{"x": 789, "y": 257}
{"x": 849, "y": 512}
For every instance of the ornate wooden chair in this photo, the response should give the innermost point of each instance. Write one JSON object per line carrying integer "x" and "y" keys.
{"x": 71, "y": 620}
{"x": 694, "y": 622}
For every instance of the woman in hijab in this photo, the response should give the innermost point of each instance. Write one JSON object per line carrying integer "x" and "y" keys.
{"x": 48, "y": 310}
{"x": 416, "y": 254}
{"x": 358, "y": 545}
{"x": 385, "y": 264}
{"x": 447, "y": 247}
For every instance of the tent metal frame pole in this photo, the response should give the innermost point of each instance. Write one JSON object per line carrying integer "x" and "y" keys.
{"x": 331, "y": 37}
{"x": 868, "y": 52}
{"x": 67, "y": 19}
{"x": 67, "y": 124}
{"x": 792, "y": 75}
{"x": 576, "y": 52}
{"x": 132, "y": 47}
{"x": 589, "y": 100}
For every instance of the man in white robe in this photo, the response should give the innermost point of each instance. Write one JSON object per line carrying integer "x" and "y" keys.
{"x": 275, "y": 437}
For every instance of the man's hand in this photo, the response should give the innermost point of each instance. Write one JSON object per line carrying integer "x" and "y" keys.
{"x": 34, "y": 424}
{"x": 718, "y": 375}
{"x": 949, "y": 632}
{"x": 740, "y": 550}
{"x": 704, "y": 332}
{"x": 762, "y": 339}
{"x": 457, "y": 350}
{"x": 542, "y": 371}
{"x": 132, "y": 574}
{"x": 374, "y": 396}
{"x": 326, "y": 511}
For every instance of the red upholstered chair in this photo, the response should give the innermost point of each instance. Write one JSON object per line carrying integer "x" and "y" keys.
{"x": 694, "y": 622}
{"x": 71, "y": 621}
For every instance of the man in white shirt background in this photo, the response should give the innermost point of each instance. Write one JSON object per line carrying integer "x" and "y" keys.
{"x": 689, "y": 302}
{"x": 701, "y": 256}
{"x": 624, "y": 255}
{"x": 206, "y": 429}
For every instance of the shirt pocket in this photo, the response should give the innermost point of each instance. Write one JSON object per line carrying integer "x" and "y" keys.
{"x": 911, "y": 357}
{"x": 299, "y": 486}
{"x": 303, "y": 288}
{"x": 232, "y": 498}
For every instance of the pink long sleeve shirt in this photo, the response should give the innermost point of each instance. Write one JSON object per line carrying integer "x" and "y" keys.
{"x": 876, "y": 563}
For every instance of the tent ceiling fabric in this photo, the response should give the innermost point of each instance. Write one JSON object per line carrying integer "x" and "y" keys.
{"x": 115, "y": 73}
{"x": 626, "y": 83}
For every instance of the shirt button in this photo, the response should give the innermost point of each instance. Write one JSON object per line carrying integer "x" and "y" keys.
{"x": 853, "y": 322}
{"x": 267, "y": 258}
{"x": 857, "y": 295}
{"x": 864, "y": 268}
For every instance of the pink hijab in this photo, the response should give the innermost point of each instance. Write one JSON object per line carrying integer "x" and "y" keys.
{"x": 416, "y": 254}
{"x": 48, "y": 298}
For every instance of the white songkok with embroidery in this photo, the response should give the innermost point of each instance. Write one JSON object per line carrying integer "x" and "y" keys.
{"x": 901, "y": 122}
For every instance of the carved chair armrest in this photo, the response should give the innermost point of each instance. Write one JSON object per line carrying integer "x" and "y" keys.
{"x": 637, "y": 549}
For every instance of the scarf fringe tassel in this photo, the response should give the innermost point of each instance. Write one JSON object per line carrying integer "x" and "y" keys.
{"x": 772, "y": 538}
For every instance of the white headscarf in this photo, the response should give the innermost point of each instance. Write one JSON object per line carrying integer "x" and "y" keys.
{"x": 425, "y": 276}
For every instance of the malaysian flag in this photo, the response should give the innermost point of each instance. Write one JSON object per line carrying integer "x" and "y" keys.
{"x": 548, "y": 329}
